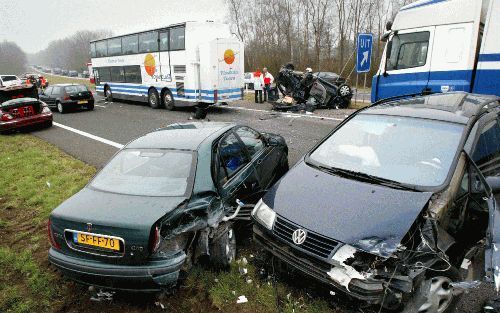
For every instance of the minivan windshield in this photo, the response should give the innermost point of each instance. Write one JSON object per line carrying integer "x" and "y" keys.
{"x": 147, "y": 172}
{"x": 411, "y": 151}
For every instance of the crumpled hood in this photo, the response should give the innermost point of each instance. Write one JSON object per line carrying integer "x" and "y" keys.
{"x": 123, "y": 211}
{"x": 370, "y": 217}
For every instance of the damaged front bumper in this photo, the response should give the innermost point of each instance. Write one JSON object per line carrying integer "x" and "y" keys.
{"x": 367, "y": 289}
{"x": 153, "y": 276}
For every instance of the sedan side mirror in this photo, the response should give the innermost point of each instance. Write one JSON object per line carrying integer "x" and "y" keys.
{"x": 494, "y": 183}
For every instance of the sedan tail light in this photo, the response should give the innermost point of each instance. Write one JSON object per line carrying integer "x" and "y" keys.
{"x": 52, "y": 240}
{"x": 154, "y": 241}
{"x": 66, "y": 97}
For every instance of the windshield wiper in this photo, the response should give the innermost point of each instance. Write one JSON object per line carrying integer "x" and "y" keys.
{"x": 367, "y": 177}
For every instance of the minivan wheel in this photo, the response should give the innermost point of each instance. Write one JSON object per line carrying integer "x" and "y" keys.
{"x": 153, "y": 99}
{"x": 435, "y": 294}
{"x": 60, "y": 108}
{"x": 223, "y": 249}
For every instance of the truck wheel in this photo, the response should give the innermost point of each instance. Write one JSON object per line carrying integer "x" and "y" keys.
{"x": 168, "y": 100}
{"x": 153, "y": 99}
{"x": 108, "y": 94}
{"x": 223, "y": 249}
{"x": 60, "y": 108}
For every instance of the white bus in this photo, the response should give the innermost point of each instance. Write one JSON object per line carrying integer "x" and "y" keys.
{"x": 180, "y": 65}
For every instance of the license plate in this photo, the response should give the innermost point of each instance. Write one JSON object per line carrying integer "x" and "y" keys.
{"x": 83, "y": 102}
{"x": 96, "y": 241}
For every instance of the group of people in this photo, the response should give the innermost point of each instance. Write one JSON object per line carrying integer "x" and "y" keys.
{"x": 262, "y": 82}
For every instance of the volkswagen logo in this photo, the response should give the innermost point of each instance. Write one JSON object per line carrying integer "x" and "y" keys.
{"x": 89, "y": 227}
{"x": 299, "y": 236}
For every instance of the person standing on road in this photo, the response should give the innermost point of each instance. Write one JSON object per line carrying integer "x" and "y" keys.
{"x": 258, "y": 84}
{"x": 268, "y": 80}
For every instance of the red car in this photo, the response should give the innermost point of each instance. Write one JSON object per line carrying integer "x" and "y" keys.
{"x": 20, "y": 108}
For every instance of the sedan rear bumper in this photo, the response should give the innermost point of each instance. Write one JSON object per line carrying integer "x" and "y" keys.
{"x": 26, "y": 121}
{"x": 76, "y": 103}
{"x": 149, "y": 277}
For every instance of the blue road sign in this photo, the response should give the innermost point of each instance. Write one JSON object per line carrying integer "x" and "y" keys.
{"x": 364, "y": 54}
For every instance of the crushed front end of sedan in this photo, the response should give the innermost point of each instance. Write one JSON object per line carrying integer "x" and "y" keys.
{"x": 396, "y": 207}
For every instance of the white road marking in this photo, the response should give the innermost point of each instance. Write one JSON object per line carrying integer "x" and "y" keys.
{"x": 94, "y": 137}
{"x": 287, "y": 114}
{"x": 101, "y": 106}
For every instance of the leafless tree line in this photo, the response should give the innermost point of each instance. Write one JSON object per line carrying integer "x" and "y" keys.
{"x": 71, "y": 53}
{"x": 12, "y": 58}
{"x": 319, "y": 34}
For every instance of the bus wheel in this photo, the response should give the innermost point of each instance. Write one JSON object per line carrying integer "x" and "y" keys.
{"x": 153, "y": 98}
{"x": 108, "y": 94}
{"x": 168, "y": 100}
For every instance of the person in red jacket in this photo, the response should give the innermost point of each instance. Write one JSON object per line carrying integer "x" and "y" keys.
{"x": 268, "y": 80}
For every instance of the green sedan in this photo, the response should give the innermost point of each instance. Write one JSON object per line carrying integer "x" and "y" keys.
{"x": 165, "y": 201}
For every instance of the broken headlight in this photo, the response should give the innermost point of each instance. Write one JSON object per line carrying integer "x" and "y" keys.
{"x": 264, "y": 214}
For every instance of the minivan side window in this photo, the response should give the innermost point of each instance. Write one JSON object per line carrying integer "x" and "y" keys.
{"x": 486, "y": 155}
{"x": 408, "y": 51}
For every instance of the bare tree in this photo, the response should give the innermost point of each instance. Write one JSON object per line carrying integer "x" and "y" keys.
{"x": 12, "y": 58}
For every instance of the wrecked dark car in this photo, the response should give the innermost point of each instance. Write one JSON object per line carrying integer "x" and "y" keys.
{"x": 308, "y": 91}
{"x": 166, "y": 200}
{"x": 396, "y": 206}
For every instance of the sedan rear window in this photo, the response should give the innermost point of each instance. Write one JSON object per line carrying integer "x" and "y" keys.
{"x": 408, "y": 150}
{"x": 147, "y": 172}
{"x": 75, "y": 89}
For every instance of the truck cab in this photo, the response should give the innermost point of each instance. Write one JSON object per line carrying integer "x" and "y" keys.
{"x": 441, "y": 46}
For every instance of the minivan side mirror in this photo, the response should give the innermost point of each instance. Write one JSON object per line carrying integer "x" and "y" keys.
{"x": 494, "y": 183}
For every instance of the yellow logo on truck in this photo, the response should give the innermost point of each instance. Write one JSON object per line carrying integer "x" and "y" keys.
{"x": 150, "y": 64}
{"x": 229, "y": 56}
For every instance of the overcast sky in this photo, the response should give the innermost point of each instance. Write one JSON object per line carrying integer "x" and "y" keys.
{"x": 32, "y": 24}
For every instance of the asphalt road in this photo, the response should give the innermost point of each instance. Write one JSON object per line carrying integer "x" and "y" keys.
{"x": 119, "y": 123}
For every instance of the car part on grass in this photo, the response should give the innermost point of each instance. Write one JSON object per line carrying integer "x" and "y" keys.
{"x": 307, "y": 91}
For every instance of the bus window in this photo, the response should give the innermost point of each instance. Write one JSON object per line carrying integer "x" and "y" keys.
{"x": 92, "y": 50}
{"x": 101, "y": 49}
{"x": 177, "y": 38}
{"x": 148, "y": 42}
{"x": 130, "y": 44}
{"x": 117, "y": 74}
{"x": 114, "y": 47}
{"x": 104, "y": 74}
{"x": 133, "y": 74}
{"x": 408, "y": 50}
{"x": 164, "y": 41}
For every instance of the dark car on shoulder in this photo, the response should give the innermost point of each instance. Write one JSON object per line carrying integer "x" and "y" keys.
{"x": 64, "y": 97}
{"x": 166, "y": 200}
{"x": 396, "y": 206}
{"x": 20, "y": 109}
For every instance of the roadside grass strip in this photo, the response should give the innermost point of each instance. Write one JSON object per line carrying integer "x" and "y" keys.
{"x": 56, "y": 79}
{"x": 36, "y": 177}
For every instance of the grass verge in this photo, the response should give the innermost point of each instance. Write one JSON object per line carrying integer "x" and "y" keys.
{"x": 54, "y": 79}
{"x": 35, "y": 178}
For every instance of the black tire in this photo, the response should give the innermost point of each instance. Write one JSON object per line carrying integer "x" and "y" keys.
{"x": 435, "y": 293}
{"x": 90, "y": 107}
{"x": 153, "y": 99}
{"x": 168, "y": 100}
{"x": 223, "y": 249}
{"x": 108, "y": 94}
{"x": 200, "y": 113}
{"x": 47, "y": 124}
{"x": 60, "y": 107}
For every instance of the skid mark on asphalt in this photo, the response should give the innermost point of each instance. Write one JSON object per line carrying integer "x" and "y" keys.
{"x": 286, "y": 114}
{"x": 88, "y": 135}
